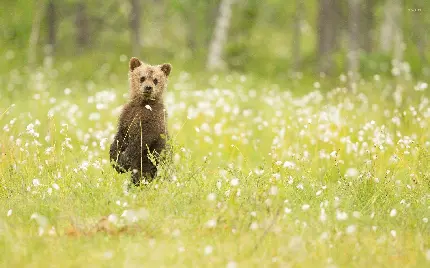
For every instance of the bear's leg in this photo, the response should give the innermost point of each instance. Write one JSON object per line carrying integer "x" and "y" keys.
{"x": 142, "y": 170}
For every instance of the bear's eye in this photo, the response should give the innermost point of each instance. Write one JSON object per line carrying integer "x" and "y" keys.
{"x": 155, "y": 81}
{"x": 142, "y": 79}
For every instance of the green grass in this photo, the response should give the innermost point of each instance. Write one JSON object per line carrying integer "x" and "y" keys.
{"x": 262, "y": 176}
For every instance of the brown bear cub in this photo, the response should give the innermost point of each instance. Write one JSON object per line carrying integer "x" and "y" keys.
{"x": 143, "y": 122}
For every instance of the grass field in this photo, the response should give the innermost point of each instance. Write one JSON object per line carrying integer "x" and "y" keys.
{"x": 263, "y": 176}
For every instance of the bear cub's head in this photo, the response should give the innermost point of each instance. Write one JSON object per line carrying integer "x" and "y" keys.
{"x": 148, "y": 82}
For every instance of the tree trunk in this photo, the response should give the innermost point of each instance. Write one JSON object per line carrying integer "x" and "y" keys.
{"x": 220, "y": 34}
{"x": 35, "y": 31}
{"x": 391, "y": 27}
{"x": 354, "y": 40}
{"x": 328, "y": 28}
{"x": 192, "y": 31}
{"x": 82, "y": 37}
{"x": 297, "y": 34}
{"x": 135, "y": 27}
{"x": 419, "y": 27}
{"x": 52, "y": 27}
{"x": 211, "y": 16}
{"x": 367, "y": 25}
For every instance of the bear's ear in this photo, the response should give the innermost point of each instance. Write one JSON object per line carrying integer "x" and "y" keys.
{"x": 166, "y": 68}
{"x": 134, "y": 63}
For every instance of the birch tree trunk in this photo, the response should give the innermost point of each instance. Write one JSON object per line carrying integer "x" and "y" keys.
{"x": 390, "y": 28}
{"x": 219, "y": 38}
{"x": 35, "y": 32}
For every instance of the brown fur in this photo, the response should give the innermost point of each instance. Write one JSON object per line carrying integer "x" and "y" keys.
{"x": 142, "y": 123}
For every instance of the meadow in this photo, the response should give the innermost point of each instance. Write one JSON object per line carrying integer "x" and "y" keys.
{"x": 264, "y": 174}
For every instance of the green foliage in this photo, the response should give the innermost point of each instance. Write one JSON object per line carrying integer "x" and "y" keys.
{"x": 259, "y": 40}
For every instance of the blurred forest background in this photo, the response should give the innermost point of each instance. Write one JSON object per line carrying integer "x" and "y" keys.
{"x": 271, "y": 38}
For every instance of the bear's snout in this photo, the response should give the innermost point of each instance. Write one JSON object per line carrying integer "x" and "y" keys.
{"x": 147, "y": 89}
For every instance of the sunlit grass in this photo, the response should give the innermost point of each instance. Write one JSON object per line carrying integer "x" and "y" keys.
{"x": 261, "y": 176}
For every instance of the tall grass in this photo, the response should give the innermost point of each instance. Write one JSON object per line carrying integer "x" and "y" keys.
{"x": 261, "y": 175}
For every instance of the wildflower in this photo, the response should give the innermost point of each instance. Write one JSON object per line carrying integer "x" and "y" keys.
{"x": 254, "y": 226}
{"x": 208, "y": 250}
{"x": 273, "y": 190}
{"x": 351, "y": 229}
{"x": 288, "y": 164}
{"x": 351, "y": 172}
{"x": 84, "y": 165}
{"x": 211, "y": 223}
{"x": 211, "y": 196}
{"x": 232, "y": 264}
{"x": 305, "y": 207}
{"x": 148, "y": 107}
{"x": 113, "y": 218}
{"x": 428, "y": 254}
{"x": 67, "y": 91}
{"x": 36, "y": 182}
{"x": 234, "y": 182}
{"x": 176, "y": 233}
{"x": 341, "y": 216}
{"x": 323, "y": 215}
{"x": 324, "y": 236}
{"x": 108, "y": 255}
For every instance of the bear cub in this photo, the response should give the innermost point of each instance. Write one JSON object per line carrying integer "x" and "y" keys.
{"x": 143, "y": 122}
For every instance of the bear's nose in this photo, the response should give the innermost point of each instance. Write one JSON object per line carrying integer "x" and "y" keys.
{"x": 147, "y": 88}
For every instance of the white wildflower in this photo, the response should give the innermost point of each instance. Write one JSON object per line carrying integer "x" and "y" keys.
{"x": 288, "y": 164}
{"x": 211, "y": 196}
{"x": 36, "y": 182}
{"x": 341, "y": 216}
{"x": 323, "y": 215}
{"x": 305, "y": 207}
{"x": 208, "y": 250}
{"x": 273, "y": 190}
{"x": 254, "y": 226}
{"x": 351, "y": 229}
{"x": 428, "y": 254}
{"x": 211, "y": 223}
{"x": 351, "y": 172}
{"x": 234, "y": 182}
{"x": 233, "y": 264}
